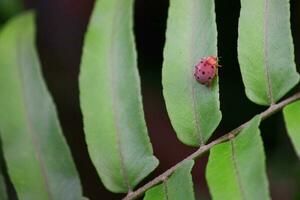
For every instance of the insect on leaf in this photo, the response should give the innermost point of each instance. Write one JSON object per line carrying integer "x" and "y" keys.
{"x": 191, "y": 35}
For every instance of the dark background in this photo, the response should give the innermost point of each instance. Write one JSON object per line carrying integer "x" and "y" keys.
{"x": 60, "y": 29}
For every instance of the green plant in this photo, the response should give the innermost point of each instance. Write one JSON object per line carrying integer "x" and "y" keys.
{"x": 110, "y": 98}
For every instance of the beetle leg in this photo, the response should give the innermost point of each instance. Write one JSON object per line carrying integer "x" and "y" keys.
{"x": 208, "y": 84}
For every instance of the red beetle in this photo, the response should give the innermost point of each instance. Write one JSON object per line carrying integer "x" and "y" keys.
{"x": 206, "y": 70}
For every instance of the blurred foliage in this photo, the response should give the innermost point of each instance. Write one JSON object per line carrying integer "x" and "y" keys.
{"x": 8, "y": 8}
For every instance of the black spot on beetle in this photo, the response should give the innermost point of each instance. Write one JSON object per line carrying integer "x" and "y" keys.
{"x": 203, "y": 73}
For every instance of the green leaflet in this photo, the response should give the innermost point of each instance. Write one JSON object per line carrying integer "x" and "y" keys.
{"x": 111, "y": 104}
{"x": 265, "y": 50}
{"x": 38, "y": 160}
{"x": 236, "y": 169}
{"x": 292, "y": 117}
{"x": 178, "y": 187}
{"x": 191, "y": 35}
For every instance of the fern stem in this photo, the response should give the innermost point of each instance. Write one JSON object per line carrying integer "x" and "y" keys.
{"x": 204, "y": 148}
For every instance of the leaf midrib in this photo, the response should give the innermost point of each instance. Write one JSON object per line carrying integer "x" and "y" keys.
{"x": 236, "y": 170}
{"x": 165, "y": 189}
{"x": 31, "y": 130}
{"x": 266, "y": 54}
{"x": 116, "y": 117}
{"x": 192, "y": 85}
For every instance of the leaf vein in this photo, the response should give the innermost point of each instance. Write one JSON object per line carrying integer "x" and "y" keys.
{"x": 194, "y": 103}
{"x": 236, "y": 170}
{"x": 266, "y": 53}
{"x": 30, "y": 126}
{"x": 165, "y": 187}
{"x": 116, "y": 117}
